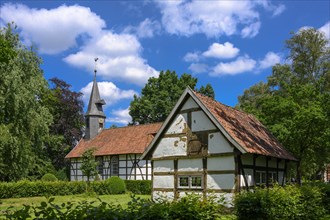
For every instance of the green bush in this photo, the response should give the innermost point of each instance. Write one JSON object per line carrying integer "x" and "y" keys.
{"x": 142, "y": 187}
{"x": 48, "y": 177}
{"x": 27, "y": 188}
{"x": 290, "y": 202}
{"x": 116, "y": 185}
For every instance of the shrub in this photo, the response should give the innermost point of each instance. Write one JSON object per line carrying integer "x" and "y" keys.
{"x": 142, "y": 187}
{"x": 48, "y": 177}
{"x": 116, "y": 185}
{"x": 190, "y": 207}
{"x": 290, "y": 202}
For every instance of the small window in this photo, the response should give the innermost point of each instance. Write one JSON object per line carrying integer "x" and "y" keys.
{"x": 114, "y": 166}
{"x": 100, "y": 125}
{"x": 184, "y": 181}
{"x": 190, "y": 182}
{"x": 260, "y": 177}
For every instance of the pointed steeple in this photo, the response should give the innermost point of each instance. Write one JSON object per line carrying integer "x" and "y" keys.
{"x": 94, "y": 115}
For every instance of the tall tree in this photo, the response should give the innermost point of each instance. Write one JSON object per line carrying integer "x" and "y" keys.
{"x": 159, "y": 96}
{"x": 294, "y": 102}
{"x": 24, "y": 121}
{"x": 66, "y": 107}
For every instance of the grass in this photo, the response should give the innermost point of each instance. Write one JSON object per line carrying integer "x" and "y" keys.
{"x": 18, "y": 203}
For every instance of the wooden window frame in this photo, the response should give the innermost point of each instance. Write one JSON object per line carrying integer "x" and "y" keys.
{"x": 190, "y": 182}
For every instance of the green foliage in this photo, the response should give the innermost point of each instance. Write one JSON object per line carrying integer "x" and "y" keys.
{"x": 159, "y": 96}
{"x": 142, "y": 187}
{"x": 27, "y": 188}
{"x": 190, "y": 207}
{"x": 290, "y": 202}
{"x": 66, "y": 107}
{"x": 294, "y": 103}
{"x": 207, "y": 90}
{"x": 24, "y": 120}
{"x": 116, "y": 185}
{"x": 49, "y": 177}
{"x": 88, "y": 166}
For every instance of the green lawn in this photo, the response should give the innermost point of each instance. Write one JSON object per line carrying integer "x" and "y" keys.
{"x": 122, "y": 199}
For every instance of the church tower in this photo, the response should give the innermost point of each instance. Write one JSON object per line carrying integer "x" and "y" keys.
{"x": 94, "y": 117}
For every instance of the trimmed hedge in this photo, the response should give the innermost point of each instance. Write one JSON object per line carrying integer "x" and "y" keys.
{"x": 48, "y": 177}
{"x": 290, "y": 202}
{"x": 27, "y": 188}
{"x": 142, "y": 187}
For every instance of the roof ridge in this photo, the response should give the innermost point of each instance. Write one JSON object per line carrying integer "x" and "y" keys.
{"x": 129, "y": 126}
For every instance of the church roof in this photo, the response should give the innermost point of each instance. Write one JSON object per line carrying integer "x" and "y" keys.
{"x": 123, "y": 140}
{"x": 95, "y": 101}
{"x": 242, "y": 130}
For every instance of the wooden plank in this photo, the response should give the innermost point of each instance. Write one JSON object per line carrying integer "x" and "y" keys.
{"x": 221, "y": 190}
{"x": 163, "y": 189}
{"x": 267, "y": 172}
{"x": 242, "y": 171}
{"x": 190, "y": 110}
{"x": 205, "y": 171}
{"x": 221, "y": 171}
{"x": 260, "y": 168}
{"x": 254, "y": 168}
{"x": 176, "y": 193}
{"x": 226, "y": 154}
{"x": 178, "y": 135}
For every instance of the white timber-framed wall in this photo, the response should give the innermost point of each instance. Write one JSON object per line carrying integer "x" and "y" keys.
{"x": 125, "y": 166}
{"x": 193, "y": 155}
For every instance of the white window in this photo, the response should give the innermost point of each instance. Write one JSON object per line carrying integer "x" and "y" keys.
{"x": 190, "y": 182}
{"x": 260, "y": 177}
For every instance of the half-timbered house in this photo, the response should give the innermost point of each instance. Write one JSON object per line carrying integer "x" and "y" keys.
{"x": 117, "y": 150}
{"x": 207, "y": 147}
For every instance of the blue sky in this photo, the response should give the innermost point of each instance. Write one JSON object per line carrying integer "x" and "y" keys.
{"x": 229, "y": 44}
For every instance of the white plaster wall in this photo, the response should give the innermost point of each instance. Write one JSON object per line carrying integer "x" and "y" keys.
{"x": 179, "y": 124}
{"x": 221, "y": 163}
{"x": 247, "y": 159}
{"x": 261, "y": 161}
{"x": 219, "y": 197}
{"x": 171, "y": 146}
{"x": 248, "y": 176}
{"x": 183, "y": 194}
{"x": 163, "y": 166}
{"x": 218, "y": 144}
{"x": 163, "y": 181}
{"x": 190, "y": 165}
{"x": 200, "y": 122}
{"x": 221, "y": 181}
{"x": 123, "y": 157}
{"x": 159, "y": 196}
{"x": 190, "y": 103}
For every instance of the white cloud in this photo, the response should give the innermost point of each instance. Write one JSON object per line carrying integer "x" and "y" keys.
{"x": 214, "y": 18}
{"x": 53, "y": 30}
{"x": 191, "y": 57}
{"x": 119, "y": 57}
{"x": 251, "y": 31}
{"x": 198, "y": 68}
{"x": 326, "y": 30}
{"x": 108, "y": 91}
{"x": 240, "y": 65}
{"x": 120, "y": 116}
{"x": 226, "y": 50}
{"x": 270, "y": 60}
{"x": 146, "y": 29}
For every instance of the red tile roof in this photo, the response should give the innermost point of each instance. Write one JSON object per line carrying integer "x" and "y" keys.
{"x": 124, "y": 140}
{"x": 245, "y": 129}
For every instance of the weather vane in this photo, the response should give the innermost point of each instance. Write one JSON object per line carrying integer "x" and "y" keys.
{"x": 95, "y": 59}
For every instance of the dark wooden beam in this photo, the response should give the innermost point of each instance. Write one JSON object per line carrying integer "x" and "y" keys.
{"x": 176, "y": 192}
{"x": 254, "y": 168}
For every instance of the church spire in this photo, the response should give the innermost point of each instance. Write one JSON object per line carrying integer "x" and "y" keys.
{"x": 94, "y": 115}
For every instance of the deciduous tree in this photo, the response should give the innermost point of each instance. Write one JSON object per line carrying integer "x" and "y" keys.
{"x": 294, "y": 102}
{"x": 159, "y": 96}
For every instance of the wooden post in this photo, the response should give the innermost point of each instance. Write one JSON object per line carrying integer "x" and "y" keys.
{"x": 267, "y": 180}
{"x": 204, "y": 177}
{"x": 176, "y": 193}
{"x": 254, "y": 168}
